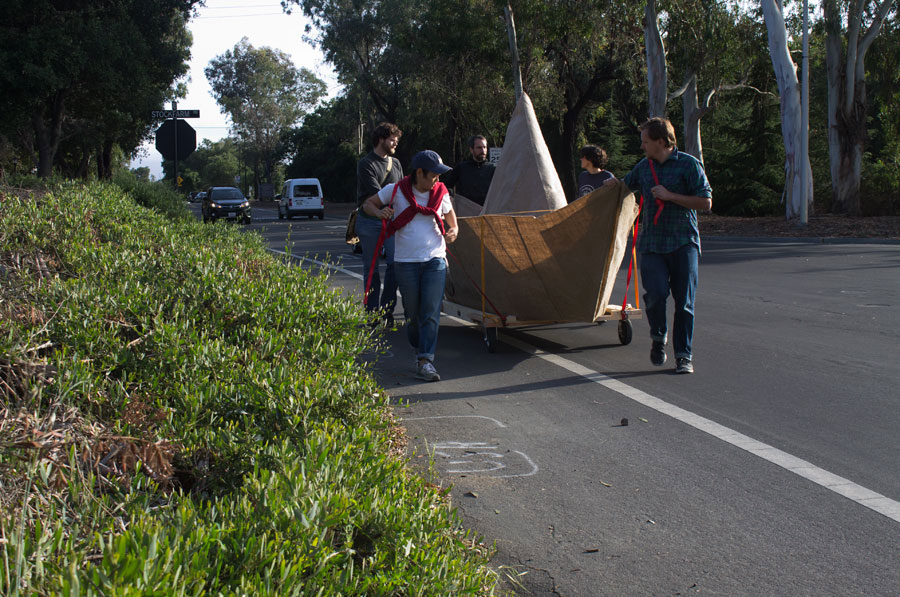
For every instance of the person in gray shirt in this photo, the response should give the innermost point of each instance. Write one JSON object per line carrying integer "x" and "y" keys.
{"x": 376, "y": 170}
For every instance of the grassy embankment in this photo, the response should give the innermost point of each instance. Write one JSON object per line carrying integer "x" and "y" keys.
{"x": 183, "y": 414}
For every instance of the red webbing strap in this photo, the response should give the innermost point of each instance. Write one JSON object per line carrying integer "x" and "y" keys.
{"x": 478, "y": 288}
{"x": 631, "y": 261}
{"x": 660, "y": 204}
{"x": 378, "y": 245}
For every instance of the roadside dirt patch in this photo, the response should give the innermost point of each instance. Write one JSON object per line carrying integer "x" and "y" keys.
{"x": 825, "y": 226}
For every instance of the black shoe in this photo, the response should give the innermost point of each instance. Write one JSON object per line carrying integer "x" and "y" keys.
{"x": 658, "y": 353}
{"x": 684, "y": 366}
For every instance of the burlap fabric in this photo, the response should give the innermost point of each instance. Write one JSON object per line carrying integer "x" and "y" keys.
{"x": 560, "y": 266}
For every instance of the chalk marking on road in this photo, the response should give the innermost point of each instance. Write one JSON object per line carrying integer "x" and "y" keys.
{"x": 498, "y": 423}
{"x": 839, "y": 485}
{"x": 473, "y": 453}
{"x": 859, "y": 494}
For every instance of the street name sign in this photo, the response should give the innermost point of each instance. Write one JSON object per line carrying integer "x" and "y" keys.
{"x": 160, "y": 114}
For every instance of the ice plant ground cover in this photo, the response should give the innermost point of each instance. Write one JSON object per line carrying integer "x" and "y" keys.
{"x": 181, "y": 413}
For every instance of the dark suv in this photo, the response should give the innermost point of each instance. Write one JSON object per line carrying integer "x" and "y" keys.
{"x": 225, "y": 202}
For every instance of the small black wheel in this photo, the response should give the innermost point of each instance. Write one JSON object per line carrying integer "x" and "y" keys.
{"x": 626, "y": 331}
{"x": 321, "y": 216}
{"x": 280, "y": 215}
{"x": 310, "y": 216}
{"x": 490, "y": 339}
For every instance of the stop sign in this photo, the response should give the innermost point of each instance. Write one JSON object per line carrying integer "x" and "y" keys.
{"x": 165, "y": 139}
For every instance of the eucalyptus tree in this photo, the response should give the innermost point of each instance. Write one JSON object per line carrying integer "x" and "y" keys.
{"x": 851, "y": 28}
{"x": 710, "y": 46}
{"x": 264, "y": 94}
{"x": 796, "y": 165}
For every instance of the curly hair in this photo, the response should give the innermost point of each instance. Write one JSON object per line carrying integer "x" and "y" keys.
{"x": 383, "y": 131}
{"x": 595, "y": 155}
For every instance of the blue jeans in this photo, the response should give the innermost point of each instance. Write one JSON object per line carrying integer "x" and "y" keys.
{"x": 422, "y": 289}
{"x": 368, "y": 230}
{"x": 677, "y": 272}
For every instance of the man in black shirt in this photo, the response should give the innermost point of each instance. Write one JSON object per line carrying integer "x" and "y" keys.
{"x": 472, "y": 178}
{"x": 376, "y": 170}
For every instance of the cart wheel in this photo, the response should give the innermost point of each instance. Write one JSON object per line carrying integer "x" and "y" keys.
{"x": 490, "y": 339}
{"x": 626, "y": 330}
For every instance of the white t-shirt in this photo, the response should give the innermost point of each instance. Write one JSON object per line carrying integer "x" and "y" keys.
{"x": 420, "y": 240}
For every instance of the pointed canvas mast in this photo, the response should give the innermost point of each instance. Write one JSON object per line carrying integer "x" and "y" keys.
{"x": 525, "y": 179}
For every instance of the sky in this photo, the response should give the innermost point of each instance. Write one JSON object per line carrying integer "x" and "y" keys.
{"x": 218, "y": 27}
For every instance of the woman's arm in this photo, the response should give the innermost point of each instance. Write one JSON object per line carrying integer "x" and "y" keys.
{"x": 451, "y": 229}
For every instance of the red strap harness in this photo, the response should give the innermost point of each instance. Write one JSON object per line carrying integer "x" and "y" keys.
{"x": 435, "y": 198}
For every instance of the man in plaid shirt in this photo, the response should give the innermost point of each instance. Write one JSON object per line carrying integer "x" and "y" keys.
{"x": 674, "y": 187}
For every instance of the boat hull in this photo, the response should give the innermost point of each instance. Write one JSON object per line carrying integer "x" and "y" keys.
{"x": 556, "y": 266}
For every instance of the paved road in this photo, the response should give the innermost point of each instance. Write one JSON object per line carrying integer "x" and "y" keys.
{"x": 774, "y": 470}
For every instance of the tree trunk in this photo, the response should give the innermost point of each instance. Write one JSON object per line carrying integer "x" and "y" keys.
{"x": 656, "y": 61}
{"x": 566, "y": 164}
{"x": 847, "y": 98}
{"x": 49, "y": 134}
{"x": 692, "y": 114}
{"x": 104, "y": 161}
{"x": 789, "y": 89}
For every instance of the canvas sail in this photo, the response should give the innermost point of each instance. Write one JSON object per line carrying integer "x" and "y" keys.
{"x": 525, "y": 179}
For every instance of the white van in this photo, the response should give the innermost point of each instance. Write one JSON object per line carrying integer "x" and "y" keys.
{"x": 301, "y": 197}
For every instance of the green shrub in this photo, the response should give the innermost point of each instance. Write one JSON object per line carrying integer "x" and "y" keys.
{"x": 156, "y": 195}
{"x": 184, "y": 414}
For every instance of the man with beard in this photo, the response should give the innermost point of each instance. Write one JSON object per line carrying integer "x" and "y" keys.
{"x": 377, "y": 170}
{"x": 472, "y": 178}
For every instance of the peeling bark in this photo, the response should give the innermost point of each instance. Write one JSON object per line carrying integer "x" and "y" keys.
{"x": 789, "y": 90}
{"x": 847, "y": 97}
{"x": 656, "y": 61}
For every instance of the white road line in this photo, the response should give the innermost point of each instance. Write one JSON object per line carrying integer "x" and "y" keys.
{"x": 331, "y": 266}
{"x": 841, "y": 486}
{"x": 859, "y": 494}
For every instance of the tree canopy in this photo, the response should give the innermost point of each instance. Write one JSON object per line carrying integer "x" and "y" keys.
{"x": 264, "y": 94}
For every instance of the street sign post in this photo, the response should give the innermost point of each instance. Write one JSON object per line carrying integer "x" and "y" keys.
{"x": 175, "y": 139}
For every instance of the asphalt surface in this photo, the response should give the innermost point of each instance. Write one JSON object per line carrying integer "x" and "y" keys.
{"x": 773, "y": 470}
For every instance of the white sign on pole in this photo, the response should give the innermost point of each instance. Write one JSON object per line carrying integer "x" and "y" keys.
{"x": 494, "y": 154}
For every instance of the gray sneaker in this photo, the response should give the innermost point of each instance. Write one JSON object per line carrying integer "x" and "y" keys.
{"x": 658, "y": 353}
{"x": 427, "y": 372}
{"x": 683, "y": 365}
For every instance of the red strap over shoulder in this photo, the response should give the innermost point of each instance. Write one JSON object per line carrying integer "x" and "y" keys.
{"x": 660, "y": 204}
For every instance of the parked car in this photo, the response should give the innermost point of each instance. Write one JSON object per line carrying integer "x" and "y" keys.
{"x": 225, "y": 202}
{"x": 199, "y": 197}
{"x": 301, "y": 196}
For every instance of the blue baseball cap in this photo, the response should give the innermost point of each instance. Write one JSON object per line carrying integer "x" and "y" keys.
{"x": 429, "y": 161}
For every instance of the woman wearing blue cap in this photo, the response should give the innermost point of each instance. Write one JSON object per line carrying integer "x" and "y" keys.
{"x": 418, "y": 210}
